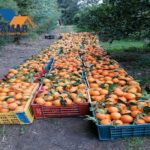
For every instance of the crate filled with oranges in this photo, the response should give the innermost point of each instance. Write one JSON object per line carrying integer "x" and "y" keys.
{"x": 119, "y": 107}
{"x": 15, "y": 102}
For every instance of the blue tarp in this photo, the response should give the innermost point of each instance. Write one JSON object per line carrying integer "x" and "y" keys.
{"x": 7, "y": 14}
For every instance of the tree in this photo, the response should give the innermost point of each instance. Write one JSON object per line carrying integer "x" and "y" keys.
{"x": 45, "y": 14}
{"x": 25, "y": 7}
{"x": 11, "y": 4}
{"x": 68, "y": 9}
{"x": 116, "y": 19}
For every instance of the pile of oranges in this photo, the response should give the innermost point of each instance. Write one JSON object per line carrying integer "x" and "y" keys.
{"x": 116, "y": 96}
{"x": 18, "y": 84}
{"x": 14, "y": 96}
{"x": 82, "y": 68}
{"x": 64, "y": 84}
{"x": 31, "y": 68}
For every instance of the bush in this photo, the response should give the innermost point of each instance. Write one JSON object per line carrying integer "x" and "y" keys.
{"x": 45, "y": 15}
{"x": 116, "y": 19}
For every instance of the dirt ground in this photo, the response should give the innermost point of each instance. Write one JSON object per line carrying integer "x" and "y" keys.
{"x": 12, "y": 55}
{"x": 58, "y": 133}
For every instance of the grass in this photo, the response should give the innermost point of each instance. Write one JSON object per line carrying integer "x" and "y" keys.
{"x": 70, "y": 28}
{"x": 122, "y": 45}
{"x": 135, "y": 143}
{"x": 67, "y": 28}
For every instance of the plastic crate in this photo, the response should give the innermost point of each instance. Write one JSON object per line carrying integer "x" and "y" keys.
{"x": 58, "y": 112}
{"x": 25, "y": 117}
{"x": 111, "y": 132}
{"x": 49, "y": 65}
{"x": 60, "y": 51}
{"x": 39, "y": 75}
{"x": 76, "y": 110}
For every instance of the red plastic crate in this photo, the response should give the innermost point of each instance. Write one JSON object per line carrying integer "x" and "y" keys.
{"x": 58, "y": 112}
{"x": 76, "y": 110}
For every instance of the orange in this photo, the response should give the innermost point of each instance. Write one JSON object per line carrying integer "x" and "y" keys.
{"x": 18, "y": 96}
{"x": 147, "y": 119}
{"x": 135, "y": 113}
{"x": 12, "y": 106}
{"x": 115, "y": 116}
{"x": 11, "y": 93}
{"x": 118, "y": 92}
{"x": 94, "y": 93}
{"x": 19, "y": 109}
{"x": 98, "y": 98}
{"x": 122, "y": 106}
{"x": 126, "y": 119}
{"x": 114, "y": 96}
{"x": 105, "y": 121}
{"x": 50, "y": 98}
{"x": 100, "y": 116}
{"x": 90, "y": 79}
{"x": 130, "y": 96}
{"x": 56, "y": 103}
{"x": 68, "y": 102}
{"x": 78, "y": 101}
{"x": 56, "y": 95}
{"x": 123, "y": 99}
{"x": 40, "y": 101}
{"x": 48, "y": 104}
{"x": 115, "y": 80}
{"x": 73, "y": 89}
{"x": 94, "y": 85}
{"x": 105, "y": 73}
{"x": 107, "y": 116}
{"x": 104, "y": 92}
{"x": 4, "y": 110}
{"x": 122, "y": 82}
{"x": 140, "y": 121}
{"x": 118, "y": 122}
{"x": 112, "y": 109}
{"x": 10, "y": 100}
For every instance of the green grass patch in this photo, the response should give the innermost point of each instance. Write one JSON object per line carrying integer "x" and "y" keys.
{"x": 67, "y": 28}
{"x": 122, "y": 45}
{"x": 135, "y": 143}
{"x": 70, "y": 28}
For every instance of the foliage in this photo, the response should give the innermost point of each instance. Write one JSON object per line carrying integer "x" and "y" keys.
{"x": 116, "y": 19}
{"x": 44, "y": 14}
{"x": 24, "y": 7}
{"x": 68, "y": 9}
{"x": 11, "y": 4}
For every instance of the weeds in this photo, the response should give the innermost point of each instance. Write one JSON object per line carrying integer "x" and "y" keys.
{"x": 136, "y": 143}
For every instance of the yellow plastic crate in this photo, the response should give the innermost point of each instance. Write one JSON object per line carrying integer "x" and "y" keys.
{"x": 25, "y": 117}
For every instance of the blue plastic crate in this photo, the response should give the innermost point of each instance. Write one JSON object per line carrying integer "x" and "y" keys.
{"x": 49, "y": 65}
{"x": 110, "y": 132}
{"x": 22, "y": 117}
{"x": 60, "y": 51}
